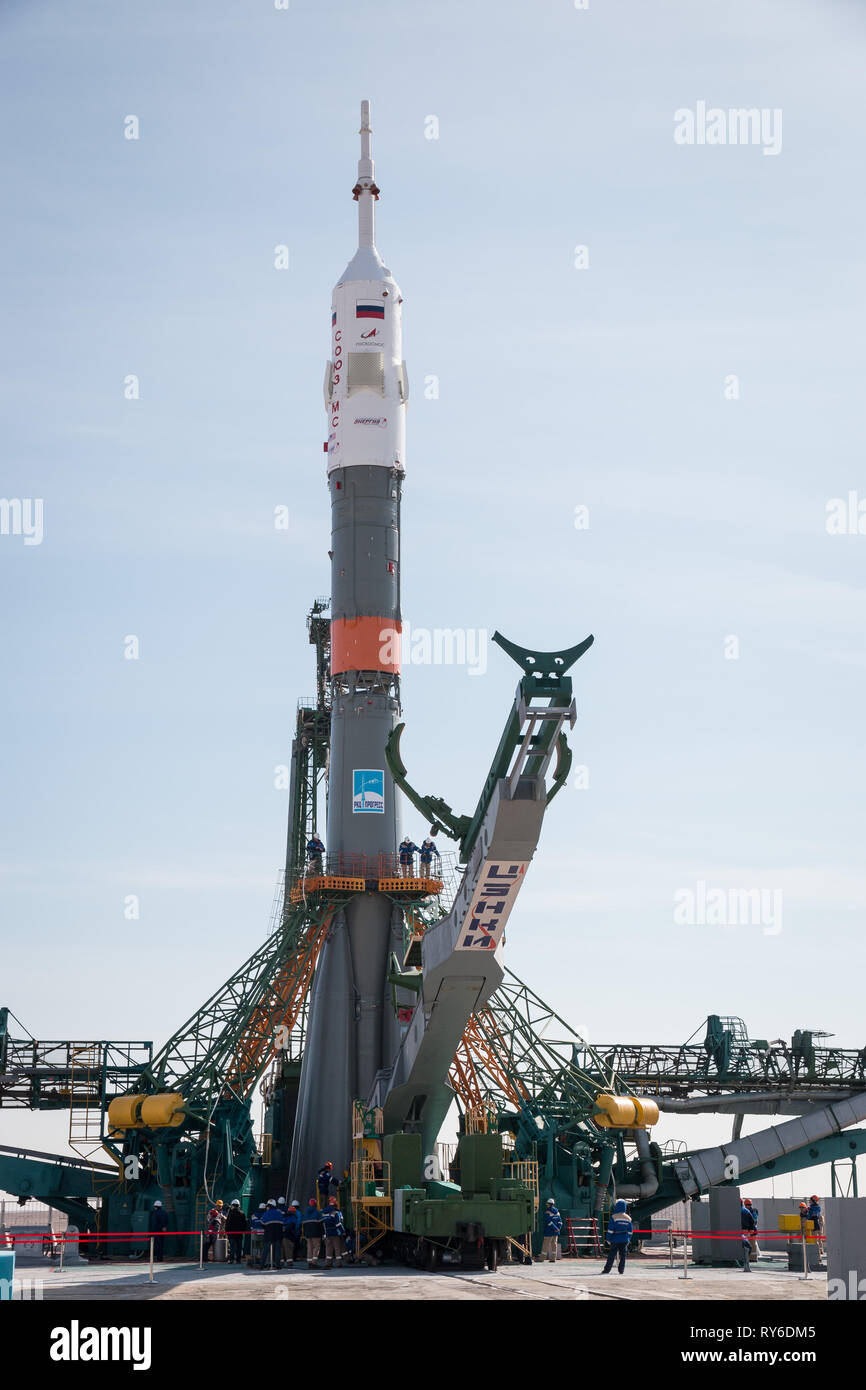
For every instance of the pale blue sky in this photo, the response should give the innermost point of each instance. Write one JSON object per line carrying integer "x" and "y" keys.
{"x": 558, "y": 388}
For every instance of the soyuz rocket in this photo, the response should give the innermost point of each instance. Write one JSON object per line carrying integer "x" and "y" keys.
{"x": 351, "y": 1029}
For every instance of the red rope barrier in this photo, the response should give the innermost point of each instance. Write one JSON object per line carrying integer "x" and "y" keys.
{"x": 34, "y": 1238}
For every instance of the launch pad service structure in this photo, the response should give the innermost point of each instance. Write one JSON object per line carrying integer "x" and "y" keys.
{"x": 380, "y": 994}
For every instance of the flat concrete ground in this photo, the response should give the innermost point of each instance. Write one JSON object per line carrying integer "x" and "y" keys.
{"x": 647, "y": 1278}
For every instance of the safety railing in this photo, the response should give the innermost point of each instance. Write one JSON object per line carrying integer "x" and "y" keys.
{"x": 366, "y": 1122}
{"x": 371, "y": 1183}
{"x": 482, "y": 1119}
{"x": 524, "y": 1170}
{"x": 383, "y": 864}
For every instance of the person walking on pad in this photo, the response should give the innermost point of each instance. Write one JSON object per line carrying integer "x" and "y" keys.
{"x": 552, "y": 1228}
{"x": 619, "y": 1233}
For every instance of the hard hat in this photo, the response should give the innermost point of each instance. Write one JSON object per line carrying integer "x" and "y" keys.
{"x": 220, "y": 1202}
{"x": 332, "y": 1201}
{"x": 281, "y": 1201}
{"x": 295, "y": 1203}
{"x": 157, "y": 1203}
{"x": 272, "y": 1203}
{"x": 312, "y": 1202}
{"x": 802, "y": 1206}
{"x": 329, "y": 1164}
{"x": 550, "y": 1202}
{"x": 235, "y": 1203}
{"x": 262, "y": 1206}
{"x": 813, "y": 1198}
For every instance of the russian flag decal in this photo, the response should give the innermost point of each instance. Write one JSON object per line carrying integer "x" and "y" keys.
{"x": 368, "y": 311}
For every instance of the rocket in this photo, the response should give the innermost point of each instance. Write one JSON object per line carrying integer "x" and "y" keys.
{"x": 351, "y": 1030}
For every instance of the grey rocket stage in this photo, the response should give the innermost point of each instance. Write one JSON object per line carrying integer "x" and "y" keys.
{"x": 352, "y": 1031}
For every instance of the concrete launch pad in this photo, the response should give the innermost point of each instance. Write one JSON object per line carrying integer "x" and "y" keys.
{"x": 646, "y": 1279}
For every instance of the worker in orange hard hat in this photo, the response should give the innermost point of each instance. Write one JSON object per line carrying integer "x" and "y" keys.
{"x": 749, "y": 1223}
{"x": 332, "y": 1220}
{"x": 311, "y": 1224}
{"x": 816, "y": 1216}
{"x": 215, "y": 1224}
{"x": 323, "y": 1183}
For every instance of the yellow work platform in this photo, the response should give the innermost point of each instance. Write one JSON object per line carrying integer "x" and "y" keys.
{"x": 304, "y": 887}
{"x": 410, "y": 885}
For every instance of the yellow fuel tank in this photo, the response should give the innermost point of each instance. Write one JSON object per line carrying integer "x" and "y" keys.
{"x": 145, "y": 1112}
{"x": 625, "y": 1112}
{"x": 123, "y": 1112}
{"x": 163, "y": 1111}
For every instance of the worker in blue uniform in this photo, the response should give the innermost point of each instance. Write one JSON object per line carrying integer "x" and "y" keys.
{"x": 619, "y": 1233}
{"x": 332, "y": 1220}
{"x": 324, "y": 1178}
{"x": 315, "y": 854}
{"x": 749, "y": 1224}
{"x": 425, "y": 856}
{"x": 313, "y": 1229}
{"x": 552, "y": 1228}
{"x": 272, "y": 1220}
{"x": 816, "y": 1216}
{"x": 291, "y": 1232}
{"x": 408, "y": 850}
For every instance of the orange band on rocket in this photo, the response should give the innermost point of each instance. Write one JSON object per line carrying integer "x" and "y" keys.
{"x": 365, "y": 644}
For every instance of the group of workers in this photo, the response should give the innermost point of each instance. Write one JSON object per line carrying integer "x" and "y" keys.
{"x": 425, "y": 852}
{"x": 620, "y": 1230}
{"x": 619, "y": 1233}
{"x": 811, "y": 1224}
{"x": 406, "y": 854}
{"x": 276, "y": 1229}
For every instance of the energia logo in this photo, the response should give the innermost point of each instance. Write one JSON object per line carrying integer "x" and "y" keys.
{"x": 77, "y": 1343}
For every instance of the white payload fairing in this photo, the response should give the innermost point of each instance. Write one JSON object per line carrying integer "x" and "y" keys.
{"x": 366, "y": 387}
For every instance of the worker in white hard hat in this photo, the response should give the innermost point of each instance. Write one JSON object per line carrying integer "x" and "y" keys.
{"x": 407, "y": 851}
{"x": 273, "y": 1224}
{"x": 428, "y": 849}
{"x": 552, "y": 1228}
{"x": 236, "y": 1229}
{"x": 158, "y": 1225}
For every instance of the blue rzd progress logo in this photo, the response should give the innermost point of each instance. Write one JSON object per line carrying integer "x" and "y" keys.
{"x": 368, "y": 790}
